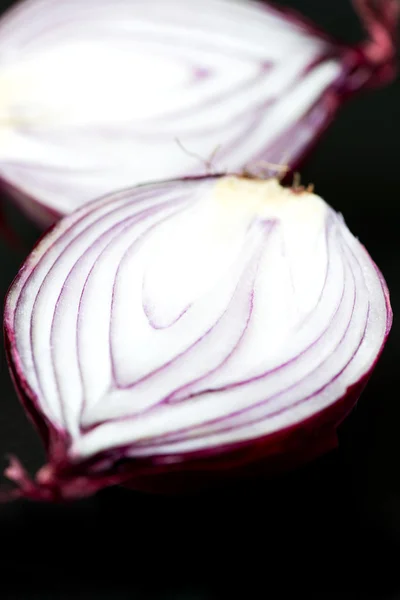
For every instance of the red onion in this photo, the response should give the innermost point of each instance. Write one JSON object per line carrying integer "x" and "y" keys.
{"x": 98, "y": 95}
{"x": 205, "y": 325}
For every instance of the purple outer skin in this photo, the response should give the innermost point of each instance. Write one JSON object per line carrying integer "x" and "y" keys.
{"x": 61, "y": 480}
{"x": 380, "y": 70}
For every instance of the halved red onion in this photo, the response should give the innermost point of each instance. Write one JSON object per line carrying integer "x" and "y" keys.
{"x": 198, "y": 325}
{"x": 98, "y": 95}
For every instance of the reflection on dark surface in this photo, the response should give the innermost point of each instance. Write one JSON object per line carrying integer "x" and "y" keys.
{"x": 328, "y": 530}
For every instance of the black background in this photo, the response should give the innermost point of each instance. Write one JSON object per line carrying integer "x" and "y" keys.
{"x": 328, "y": 530}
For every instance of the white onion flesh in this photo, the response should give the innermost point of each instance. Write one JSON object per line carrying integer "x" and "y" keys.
{"x": 98, "y": 95}
{"x": 193, "y": 315}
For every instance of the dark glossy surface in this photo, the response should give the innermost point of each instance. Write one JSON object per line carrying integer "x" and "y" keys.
{"x": 330, "y": 530}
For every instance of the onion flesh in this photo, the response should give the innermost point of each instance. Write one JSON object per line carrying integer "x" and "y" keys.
{"x": 100, "y": 95}
{"x": 204, "y": 324}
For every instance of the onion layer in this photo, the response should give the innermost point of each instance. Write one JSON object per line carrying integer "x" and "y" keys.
{"x": 198, "y": 324}
{"x": 98, "y": 95}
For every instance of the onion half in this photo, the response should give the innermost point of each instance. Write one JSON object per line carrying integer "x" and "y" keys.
{"x": 99, "y": 95}
{"x": 207, "y": 325}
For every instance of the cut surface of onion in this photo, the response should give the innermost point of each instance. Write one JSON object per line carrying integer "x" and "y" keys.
{"x": 99, "y": 95}
{"x": 190, "y": 325}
